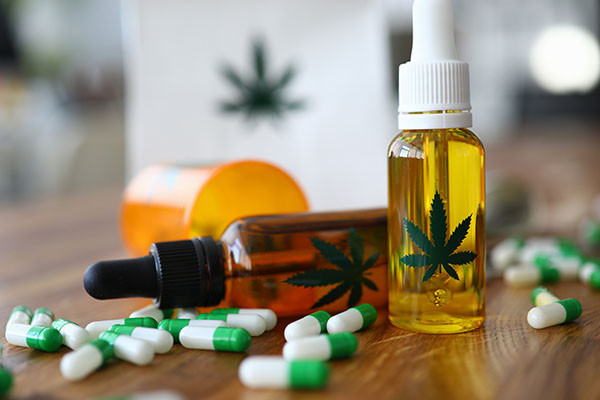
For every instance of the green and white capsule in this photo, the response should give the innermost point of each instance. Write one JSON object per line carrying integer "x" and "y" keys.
{"x": 254, "y": 324}
{"x": 353, "y": 319}
{"x": 530, "y": 276}
{"x": 20, "y": 315}
{"x": 540, "y": 296}
{"x": 322, "y": 347}
{"x": 97, "y": 327}
{"x": 552, "y": 314}
{"x": 219, "y": 339}
{"x": 153, "y": 312}
{"x": 271, "y": 372}
{"x": 506, "y": 253}
{"x": 35, "y": 337}
{"x": 268, "y": 315}
{"x": 130, "y": 349}
{"x": 589, "y": 273}
{"x": 73, "y": 335}
{"x": 312, "y": 325}
{"x": 80, "y": 363}
{"x": 42, "y": 317}
{"x": 567, "y": 267}
{"x": 174, "y": 326}
{"x": 160, "y": 340}
{"x": 187, "y": 313}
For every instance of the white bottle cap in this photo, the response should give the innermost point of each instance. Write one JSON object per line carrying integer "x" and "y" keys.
{"x": 434, "y": 79}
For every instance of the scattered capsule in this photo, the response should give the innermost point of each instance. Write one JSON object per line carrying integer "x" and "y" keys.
{"x": 174, "y": 326}
{"x": 530, "y": 276}
{"x": 254, "y": 324}
{"x": 554, "y": 313}
{"x": 353, "y": 319}
{"x": 20, "y": 315}
{"x": 219, "y": 339}
{"x": 187, "y": 313}
{"x": 161, "y": 340}
{"x": 277, "y": 373}
{"x": 42, "y": 317}
{"x": 73, "y": 335}
{"x": 126, "y": 348}
{"x": 97, "y": 327}
{"x": 153, "y": 312}
{"x": 35, "y": 337}
{"x": 541, "y": 296}
{"x": 88, "y": 358}
{"x": 506, "y": 253}
{"x": 268, "y": 315}
{"x": 312, "y": 325}
{"x": 567, "y": 267}
{"x": 154, "y": 395}
{"x": 322, "y": 347}
{"x": 589, "y": 273}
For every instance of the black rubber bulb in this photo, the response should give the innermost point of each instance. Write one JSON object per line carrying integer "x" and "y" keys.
{"x": 114, "y": 279}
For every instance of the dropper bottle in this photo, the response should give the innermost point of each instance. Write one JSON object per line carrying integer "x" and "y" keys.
{"x": 293, "y": 264}
{"x": 436, "y": 192}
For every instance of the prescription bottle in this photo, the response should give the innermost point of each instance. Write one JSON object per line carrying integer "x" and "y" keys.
{"x": 171, "y": 202}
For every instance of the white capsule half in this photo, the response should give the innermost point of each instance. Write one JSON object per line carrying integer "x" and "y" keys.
{"x": 506, "y": 253}
{"x": 42, "y": 317}
{"x": 80, "y": 363}
{"x": 268, "y": 315}
{"x": 153, "y": 312}
{"x": 350, "y": 320}
{"x": 73, "y": 335}
{"x": 130, "y": 349}
{"x": 586, "y": 271}
{"x": 94, "y": 329}
{"x": 311, "y": 325}
{"x": 208, "y": 323}
{"x": 254, "y": 324}
{"x": 20, "y": 315}
{"x": 187, "y": 313}
{"x": 522, "y": 276}
{"x": 160, "y": 340}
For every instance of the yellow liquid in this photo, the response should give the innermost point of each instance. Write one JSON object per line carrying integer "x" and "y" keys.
{"x": 451, "y": 163}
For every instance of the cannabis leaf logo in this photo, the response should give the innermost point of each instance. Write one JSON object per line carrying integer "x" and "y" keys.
{"x": 439, "y": 254}
{"x": 260, "y": 94}
{"x": 350, "y": 273}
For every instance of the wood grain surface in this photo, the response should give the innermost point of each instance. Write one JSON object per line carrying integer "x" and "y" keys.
{"x": 45, "y": 248}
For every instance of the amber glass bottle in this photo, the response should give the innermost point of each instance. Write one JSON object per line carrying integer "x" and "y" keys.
{"x": 292, "y": 264}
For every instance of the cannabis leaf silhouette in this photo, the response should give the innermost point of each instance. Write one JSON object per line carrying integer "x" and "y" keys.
{"x": 350, "y": 274}
{"x": 439, "y": 253}
{"x": 260, "y": 95}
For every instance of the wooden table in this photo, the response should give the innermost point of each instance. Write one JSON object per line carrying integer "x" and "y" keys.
{"x": 44, "y": 250}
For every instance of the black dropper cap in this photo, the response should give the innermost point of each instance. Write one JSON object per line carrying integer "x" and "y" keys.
{"x": 184, "y": 273}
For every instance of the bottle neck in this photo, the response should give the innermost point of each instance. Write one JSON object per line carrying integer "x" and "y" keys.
{"x": 444, "y": 119}
{"x": 190, "y": 273}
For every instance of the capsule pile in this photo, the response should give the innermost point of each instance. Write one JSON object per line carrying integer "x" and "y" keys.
{"x": 311, "y": 341}
{"x": 535, "y": 261}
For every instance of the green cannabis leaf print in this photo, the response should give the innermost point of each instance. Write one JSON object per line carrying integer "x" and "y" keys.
{"x": 349, "y": 275}
{"x": 438, "y": 253}
{"x": 261, "y": 92}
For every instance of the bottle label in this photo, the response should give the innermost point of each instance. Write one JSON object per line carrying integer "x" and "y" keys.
{"x": 349, "y": 272}
{"x": 437, "y": 252}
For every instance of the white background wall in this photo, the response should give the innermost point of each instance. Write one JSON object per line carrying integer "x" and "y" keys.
{"x": 336, "y": 147}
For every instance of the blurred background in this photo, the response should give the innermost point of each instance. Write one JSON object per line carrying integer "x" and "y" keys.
{"x": 91, "y": 92}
